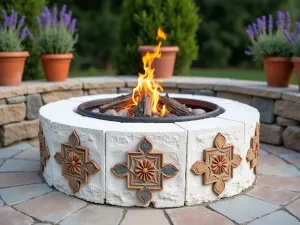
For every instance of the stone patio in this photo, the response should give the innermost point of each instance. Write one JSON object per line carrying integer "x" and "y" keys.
{"x": 26, "y": 199}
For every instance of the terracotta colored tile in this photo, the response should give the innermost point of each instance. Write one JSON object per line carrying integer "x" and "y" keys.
{"x": 92, "y": 213}
{"x": 294, "y": 161}
{"x": 275, "y": 196}
{"x": 31, "y": 153}
{"x": 294, "y": 208}
{"x": 283, "y": 183}
{"x": 196, "y": 216}
{"x": 16, "y": 179}
{"x": 270, "y": 160}
{"x": 51, "y": 207}
{"x": 145, "y": 217}
{"x": 9, "y": 216}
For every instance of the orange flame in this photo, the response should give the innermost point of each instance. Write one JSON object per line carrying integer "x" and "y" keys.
{"x": 146, "y": 84}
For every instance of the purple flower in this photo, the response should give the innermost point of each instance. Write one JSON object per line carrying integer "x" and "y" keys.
{"x": 21, "y": 21}
{"x": 280, "y": 20}
{"x": 248, "y": 52}
{"x": 270, "y": 23}
{"x": 255, "y": 30}
{"x": 72, "y": 27}
{"x": 38, "y": 21}
{"x": 288, "y": 37}
{"x": 62, "y": 13}
{"x": 5, "y": 18}
{"x": 288, "y": 21}
{"x": 298, "y": 27}
{"x": 68, "y": 18}
{"x": 264, "y": 23}
{"x": 54, "y": 16}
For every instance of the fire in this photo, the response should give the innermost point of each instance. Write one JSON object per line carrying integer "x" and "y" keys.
{"x": 146, "y": 84}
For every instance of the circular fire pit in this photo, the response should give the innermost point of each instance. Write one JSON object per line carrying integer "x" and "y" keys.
{"x": 157, "y": 162}
{"x": 211, "y": 109}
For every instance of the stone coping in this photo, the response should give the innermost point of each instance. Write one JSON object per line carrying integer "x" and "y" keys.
{"x": 253, "y": 88}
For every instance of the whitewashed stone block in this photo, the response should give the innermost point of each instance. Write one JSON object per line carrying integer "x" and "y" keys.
{"x": 166, "y": 138}
{"x": 201, "y": 135}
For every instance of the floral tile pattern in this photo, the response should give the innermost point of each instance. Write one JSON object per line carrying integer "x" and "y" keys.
{"x": 75, "y": 164}
{"x": 218, "y": 164}
{"x": 145, "y": 170}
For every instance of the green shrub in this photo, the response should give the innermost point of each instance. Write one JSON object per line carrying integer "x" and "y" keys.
{"x": 138, "y": 26}
{"x": 31, "y": 9}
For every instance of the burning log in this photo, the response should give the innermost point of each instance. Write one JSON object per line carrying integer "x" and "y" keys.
{"x": 117, "y": 103}
{"x": 143, "y": 108}
{"x": 174, "y": 106}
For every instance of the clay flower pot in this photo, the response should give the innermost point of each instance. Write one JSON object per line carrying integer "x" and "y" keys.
{"x": 12, "y": 67}
{"x": 56, "y": 66}
{"x": 164, "y": 66}
{"x": 296, "y": 61}
{"x": 278, "y": 70}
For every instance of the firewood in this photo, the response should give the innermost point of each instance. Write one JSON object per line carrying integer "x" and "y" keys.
{"x": 117, "y": 103}
{"x": 147, "y": 106}
{"x": 174, "y": 106}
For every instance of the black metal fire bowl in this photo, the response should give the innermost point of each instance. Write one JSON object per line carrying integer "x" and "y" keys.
{"x": 212, "y": 110}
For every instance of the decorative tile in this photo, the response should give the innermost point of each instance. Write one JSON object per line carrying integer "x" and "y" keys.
{"x": 75, "y": 164}
{"x": 44, "y": 152}
{"x": 253, "y": 152}
{"x": 145, "y": 170}
{"x": 218, "y": 164}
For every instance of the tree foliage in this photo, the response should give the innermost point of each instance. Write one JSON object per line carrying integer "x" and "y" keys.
{"x": 138, "y": 26}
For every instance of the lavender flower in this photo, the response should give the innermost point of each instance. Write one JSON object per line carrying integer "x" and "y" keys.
{"x": 72, "y": 27}
{"x": 255, "y": 30}
{"x": 298, "y": 27}
{"x": 280, "y": 20}
{"x": 288, "y": 37}
{"x": 54, "y": 16}
{"x": 248, "y": 52}
{"x": 288, "y": 21}
{"x": 38, "y": 21}
{"x": 21, "y": 21}
{"x": 57, "y": 32}
{"x": 270, "y": 23}
{"x": 62, "y": 12}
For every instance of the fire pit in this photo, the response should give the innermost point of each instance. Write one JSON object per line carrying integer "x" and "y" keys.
{"x": 148, "y": 148}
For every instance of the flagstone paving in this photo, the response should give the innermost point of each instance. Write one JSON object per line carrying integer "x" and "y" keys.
{"x": 26, "y": 200}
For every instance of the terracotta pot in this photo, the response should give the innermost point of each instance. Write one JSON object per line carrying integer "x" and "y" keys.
{"x": 12, "y": 67}
{"x": 296, "y": 61}
{"x": 56, "y": 66}
{"x": 278, "y": 70}
{"x": 164, "y": 66}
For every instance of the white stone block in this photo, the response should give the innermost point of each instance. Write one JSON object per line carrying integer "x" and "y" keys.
{"x": 166, "y": 138}
{"x": 201, "y": 135}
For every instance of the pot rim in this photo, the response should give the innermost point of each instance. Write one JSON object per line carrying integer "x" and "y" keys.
{"x": 296, "y": 59}
{"x": 150, "y": 48}
{"x": 22, "y": 54}
{"x": 276, "y": 59}
{"x": 57, "y": 56}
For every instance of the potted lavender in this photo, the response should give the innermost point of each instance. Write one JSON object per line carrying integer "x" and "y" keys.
{"x": 269, "y": 45}
{"x": 12, "y": 56}
{"x": 56, "y": 40}
{"x": 294, "y": 40}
